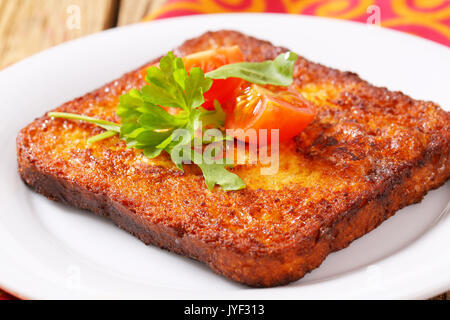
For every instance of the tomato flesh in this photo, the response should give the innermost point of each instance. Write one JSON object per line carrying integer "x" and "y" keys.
{"x": 222, "y": 89}
{"x": 268, "y": 107}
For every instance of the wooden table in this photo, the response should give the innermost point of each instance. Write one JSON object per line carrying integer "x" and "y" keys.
{"x": 29, "y": 26}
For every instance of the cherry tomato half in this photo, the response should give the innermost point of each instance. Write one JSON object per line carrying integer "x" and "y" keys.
{"x": 269, "y": 107}
{"x": 222, "y": 89}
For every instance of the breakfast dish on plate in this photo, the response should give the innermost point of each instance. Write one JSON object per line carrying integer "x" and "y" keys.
{"x": 350, "y": 156}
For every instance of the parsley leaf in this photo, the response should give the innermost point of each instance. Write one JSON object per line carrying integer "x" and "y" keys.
{"x": 216, "y": 173}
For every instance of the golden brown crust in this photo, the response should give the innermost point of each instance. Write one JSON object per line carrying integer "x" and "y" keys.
{"x": 369, "y": 153}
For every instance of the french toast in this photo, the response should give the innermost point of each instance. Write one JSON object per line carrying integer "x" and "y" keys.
{"x": 368, "y": 153}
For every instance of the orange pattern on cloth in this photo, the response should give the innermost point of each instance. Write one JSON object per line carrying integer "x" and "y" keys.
{"x": 426, "y": 18}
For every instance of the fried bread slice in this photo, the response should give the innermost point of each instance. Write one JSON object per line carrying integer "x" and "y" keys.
{"x": 368, "y": 153}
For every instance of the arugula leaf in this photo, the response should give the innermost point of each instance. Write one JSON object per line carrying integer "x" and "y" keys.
{"x": 276, "y": 72}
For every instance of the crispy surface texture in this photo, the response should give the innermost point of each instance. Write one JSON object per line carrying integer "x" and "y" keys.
{"x": 368, "y": 153}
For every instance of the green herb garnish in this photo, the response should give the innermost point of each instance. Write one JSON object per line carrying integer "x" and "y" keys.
{"x": 145, "y": 125}
{"x": 276, "y": 72}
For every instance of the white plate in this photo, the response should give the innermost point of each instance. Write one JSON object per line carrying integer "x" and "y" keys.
{"x": 51, "y": 251}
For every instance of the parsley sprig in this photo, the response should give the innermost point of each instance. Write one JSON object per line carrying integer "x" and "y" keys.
{"x": 147, "y": 126}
